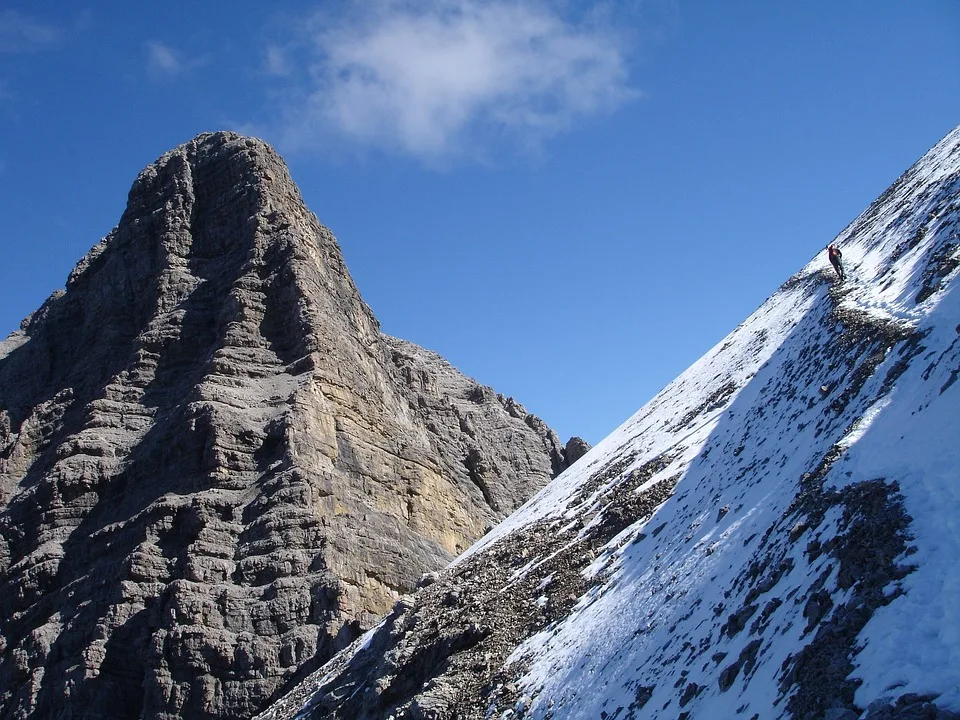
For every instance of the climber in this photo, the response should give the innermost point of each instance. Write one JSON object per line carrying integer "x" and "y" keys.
{"x": 833, "y": 252}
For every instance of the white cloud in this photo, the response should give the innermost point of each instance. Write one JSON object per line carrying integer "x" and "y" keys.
{"x": 442, "y": 78}
{"x": 163, "y": 60}
{"x": 166, "y": 63}
{"x": 20, "y": 34}
{"x": 277, "y": 62}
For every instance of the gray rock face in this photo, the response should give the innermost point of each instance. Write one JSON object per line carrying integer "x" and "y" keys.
{"x": 215, "y": 471}
{"x": 575, "y": 449}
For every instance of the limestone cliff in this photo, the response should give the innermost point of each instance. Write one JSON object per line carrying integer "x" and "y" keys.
{"x": 214, "y": 469}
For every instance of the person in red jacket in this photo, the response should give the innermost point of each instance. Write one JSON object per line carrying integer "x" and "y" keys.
{"x": 833, "y": 252}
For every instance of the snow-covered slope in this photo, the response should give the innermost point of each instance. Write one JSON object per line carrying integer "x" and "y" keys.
{"x": 775, "y": 534}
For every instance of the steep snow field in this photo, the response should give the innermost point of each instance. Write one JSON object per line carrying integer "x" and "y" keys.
{"x": 773, "y": 535}
{"x": 758, "y": 426}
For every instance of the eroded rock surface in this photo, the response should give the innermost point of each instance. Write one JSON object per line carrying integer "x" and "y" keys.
{"x": 215, "y": 471}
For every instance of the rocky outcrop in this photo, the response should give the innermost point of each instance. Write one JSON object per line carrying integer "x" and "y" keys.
{"x": 215, "y": 471}
{"x": 575, "y": 449}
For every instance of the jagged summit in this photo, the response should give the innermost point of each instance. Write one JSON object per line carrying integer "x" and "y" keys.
{"x": 772, "y": 536}
{"x": 214, "y": 469}
{"x": 196, "y": 220}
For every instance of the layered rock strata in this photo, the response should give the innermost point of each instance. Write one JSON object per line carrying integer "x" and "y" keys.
{"x": 215, "y": 471}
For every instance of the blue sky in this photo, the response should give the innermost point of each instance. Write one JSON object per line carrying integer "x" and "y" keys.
{"x": 569, "y": 201}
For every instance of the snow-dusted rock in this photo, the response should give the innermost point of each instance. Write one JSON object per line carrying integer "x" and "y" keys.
{"x": 774, "y": 535}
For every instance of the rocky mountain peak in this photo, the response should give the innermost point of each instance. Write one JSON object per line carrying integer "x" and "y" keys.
{"x": 215, "y": 471}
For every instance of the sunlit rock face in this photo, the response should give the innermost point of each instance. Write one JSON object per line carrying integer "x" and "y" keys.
{"x": 215, "y": 471}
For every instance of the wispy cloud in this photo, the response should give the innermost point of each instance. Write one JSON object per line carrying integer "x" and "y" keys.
{"x": 276, "y": 62}
{"x": 20, "y": 33}
{"x": 163, "y": 59}
{"x": 165, "y": 62}
{"x": 438, "y": 79}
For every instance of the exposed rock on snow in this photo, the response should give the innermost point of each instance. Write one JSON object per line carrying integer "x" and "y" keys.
{"x": 214, "y": 470}
{"x": 773, "y": 535}
{"x": 575, "y": 449}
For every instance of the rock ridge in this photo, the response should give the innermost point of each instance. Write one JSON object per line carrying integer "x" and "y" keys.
{"x": 215, "y": 471}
